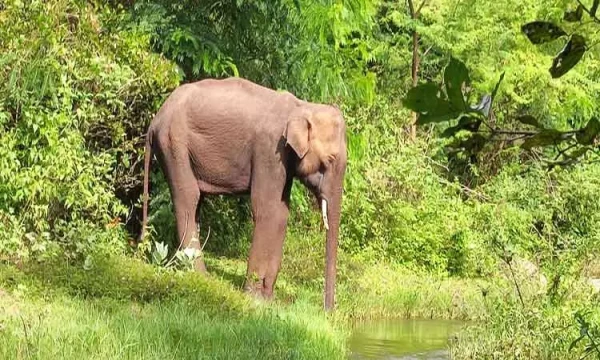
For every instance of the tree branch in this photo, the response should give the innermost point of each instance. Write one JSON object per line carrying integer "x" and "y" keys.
{"x": 420, "y": 8}
{"x": 563, "y": 151}
{"x": 589, "y": 11}
{"x": 427, "y": 51}
{"x": 513, "y": 132}
{"x": 411, "y": 9}
{"x": 509, "y": 139}
{"x": 524, "y": 132}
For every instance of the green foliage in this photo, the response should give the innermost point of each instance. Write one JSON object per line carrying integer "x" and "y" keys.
{"x": 318, "y": 52}
{"x": 589, "y": 333}
{"x": 79, "y": 91}
{"x": 122, "y": 278}
{"x": 533, "y": 329}
{"x": 434, "y": 106}
{"x": 539, "y": 32}
{"x": 399, "y": 205}
{"x": 81, "y": 81}
{"x": 74, "y": 97}
{"x": 488, "y": 38}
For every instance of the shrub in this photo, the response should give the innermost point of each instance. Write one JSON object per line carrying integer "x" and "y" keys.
{"x": 75, "y": 94}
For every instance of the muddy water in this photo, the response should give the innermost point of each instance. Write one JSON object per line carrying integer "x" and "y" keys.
{"x": 403, "y": 339}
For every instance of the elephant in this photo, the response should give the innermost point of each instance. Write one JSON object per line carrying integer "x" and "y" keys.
{"x": 233, "y": 137}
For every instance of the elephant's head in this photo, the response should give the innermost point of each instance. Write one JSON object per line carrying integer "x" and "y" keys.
{"x": 317, "y": 134}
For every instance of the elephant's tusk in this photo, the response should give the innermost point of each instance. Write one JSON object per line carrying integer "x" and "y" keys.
{"x": 324, "y": 211}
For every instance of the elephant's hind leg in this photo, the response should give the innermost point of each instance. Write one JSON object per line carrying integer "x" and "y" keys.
{"x": 186, "y": 197}
{"x": 186, "y": 204}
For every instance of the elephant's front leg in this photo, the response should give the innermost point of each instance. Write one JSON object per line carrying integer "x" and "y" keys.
{"x": 270, "y": 211}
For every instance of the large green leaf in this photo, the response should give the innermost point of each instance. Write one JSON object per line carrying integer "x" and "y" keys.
{"x": 422, "y": 98}
{"x": 468, "y": 122}
{"x": 425, "y": 99}
{"x": 543, "y": 138}
{"x": 539, "y": 32}
{"x": 589, "y": 133}
{"x": 456, "y": 75}
{"x": 568, "y": 57}
{"x": 440, "y": 112}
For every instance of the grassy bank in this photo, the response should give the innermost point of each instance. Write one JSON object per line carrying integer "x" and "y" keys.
{"x": 538, "y": 328}
{"x": 119, "y": 307}
{"x": 67, "y": 328}
{"x": 372, "y": 291}
{"x": 124, "y": 309}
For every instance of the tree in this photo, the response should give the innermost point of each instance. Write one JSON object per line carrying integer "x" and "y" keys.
{"x": 414, "y": 15}
{"x": 437, "y": 104}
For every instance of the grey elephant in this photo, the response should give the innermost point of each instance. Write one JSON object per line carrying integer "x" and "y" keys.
{"x": 232, "y": 136}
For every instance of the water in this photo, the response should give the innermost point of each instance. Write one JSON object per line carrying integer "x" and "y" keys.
{"x": 403, "y": 339}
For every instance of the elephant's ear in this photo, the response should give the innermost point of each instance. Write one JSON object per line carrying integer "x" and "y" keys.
{"x": 297, "y": 133}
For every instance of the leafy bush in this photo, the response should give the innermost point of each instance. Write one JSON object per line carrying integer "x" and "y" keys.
{"x": 534, "y": 329}
{"x": 75, "y": 94}
{"x": 79, "y": 90}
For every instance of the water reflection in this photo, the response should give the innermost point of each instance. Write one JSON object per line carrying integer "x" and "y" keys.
{"x": 403, "y": 339}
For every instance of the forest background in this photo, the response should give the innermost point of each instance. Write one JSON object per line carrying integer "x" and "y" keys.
{"x": 444, "y": 208}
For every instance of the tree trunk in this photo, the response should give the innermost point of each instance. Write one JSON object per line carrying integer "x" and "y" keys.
{"x": 415, "y": 79}
{"x": 414, "y": 14}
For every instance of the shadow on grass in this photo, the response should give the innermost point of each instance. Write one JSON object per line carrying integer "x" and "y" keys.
{"x": 122, "y": 278}
{"x": 231, "y": 270}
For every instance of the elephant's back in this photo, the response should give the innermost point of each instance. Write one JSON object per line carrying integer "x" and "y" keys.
{"x": 236, "y": 103}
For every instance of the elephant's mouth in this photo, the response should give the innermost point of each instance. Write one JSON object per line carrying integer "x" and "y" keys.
{"x": 314, "y": 182}
{"x": 319, "y": 188}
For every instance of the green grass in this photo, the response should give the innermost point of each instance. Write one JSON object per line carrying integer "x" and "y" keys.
{"x": 384, "y": 291}
{"x": 538, "y": 328}
{"x": 119, "y": 307}
{"x": 67, "y": 328}
{"x": 119, "y": 310}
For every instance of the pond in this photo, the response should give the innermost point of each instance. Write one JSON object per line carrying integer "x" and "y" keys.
{"x": 403, "y": 339}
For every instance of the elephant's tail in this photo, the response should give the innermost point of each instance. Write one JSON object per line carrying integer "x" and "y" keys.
{"x": 147, "y": 162}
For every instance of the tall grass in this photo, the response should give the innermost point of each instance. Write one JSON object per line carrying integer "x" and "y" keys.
{"x": 71, "y": 328}
{"x": 137, "y": 312}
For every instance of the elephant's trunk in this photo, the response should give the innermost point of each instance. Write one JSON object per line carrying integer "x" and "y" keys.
{"x": 331, "y": 215}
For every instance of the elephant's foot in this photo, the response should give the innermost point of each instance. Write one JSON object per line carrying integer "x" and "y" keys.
{"x": 197, "y": 261}
{"x": 199, "y": 266}
{"x": 259, "y": 287}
